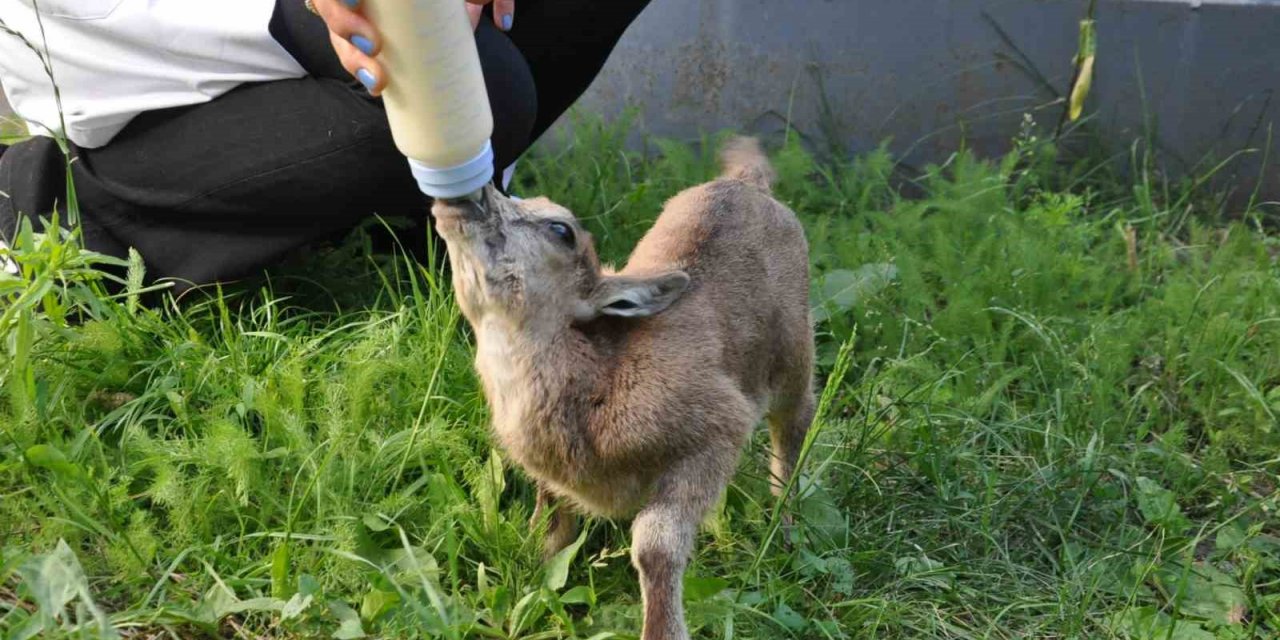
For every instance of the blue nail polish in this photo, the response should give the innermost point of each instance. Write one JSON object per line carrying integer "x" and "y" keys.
{"x": 507, "y": 21}
{"x": 362, "y": 43}
{"x": 351, "y": 3}
{"x": 366, "y": 79}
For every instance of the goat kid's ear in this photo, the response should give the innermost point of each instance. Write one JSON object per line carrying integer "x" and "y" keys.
{"x": 631, "y": 297}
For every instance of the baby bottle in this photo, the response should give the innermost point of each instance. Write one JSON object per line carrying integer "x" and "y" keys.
{"x": 435, "y": 97}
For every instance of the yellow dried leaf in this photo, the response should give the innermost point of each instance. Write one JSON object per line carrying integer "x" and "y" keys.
{"x": 1081, "y": 90}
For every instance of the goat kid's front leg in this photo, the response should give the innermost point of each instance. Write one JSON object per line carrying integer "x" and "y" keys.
{"x": 662, "y": 539}
{"x": 562, "y": 527}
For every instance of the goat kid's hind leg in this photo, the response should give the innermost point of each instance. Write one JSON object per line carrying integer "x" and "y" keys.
{"x": 788, "y": 426}
{"x": 663, "y": 535}
{"x": 562, "y": 527}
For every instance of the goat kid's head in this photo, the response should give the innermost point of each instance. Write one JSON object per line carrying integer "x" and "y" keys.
{"x": 531, "y": 263}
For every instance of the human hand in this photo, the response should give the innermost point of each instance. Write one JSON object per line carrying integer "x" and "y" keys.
{"x": 504, "y": 12}
{"x": 354, "y": 39}
{"x": 357, "y": 41}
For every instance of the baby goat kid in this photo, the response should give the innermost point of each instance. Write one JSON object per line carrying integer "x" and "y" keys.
{"x": 632, "y": 393}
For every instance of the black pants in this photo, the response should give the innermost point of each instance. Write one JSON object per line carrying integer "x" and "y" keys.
{"x": 218, "y": 190}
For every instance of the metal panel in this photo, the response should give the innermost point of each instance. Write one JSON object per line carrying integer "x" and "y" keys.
{"x": 1200, "y": 76}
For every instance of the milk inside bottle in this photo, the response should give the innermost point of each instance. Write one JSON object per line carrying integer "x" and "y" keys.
{"x": 435, "y": 96}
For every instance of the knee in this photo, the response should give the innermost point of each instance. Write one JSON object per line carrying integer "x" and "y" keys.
{"x": 32, "y": 180}
{"x": 513, "y": 96}
{"x": 561, "y": 531}
{"x": 657, "y": 566}
{"x": 660, "y": 545}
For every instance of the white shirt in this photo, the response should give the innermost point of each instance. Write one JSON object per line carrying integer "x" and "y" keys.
{"x": 114, "y": 59}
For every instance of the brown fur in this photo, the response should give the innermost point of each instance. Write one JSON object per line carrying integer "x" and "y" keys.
{"x": 633, "y": 393}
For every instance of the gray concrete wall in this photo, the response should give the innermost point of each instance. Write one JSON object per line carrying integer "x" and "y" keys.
{"x": 1200, "y": 75}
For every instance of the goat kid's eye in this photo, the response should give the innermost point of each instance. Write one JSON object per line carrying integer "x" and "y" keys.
{"x": 562, "y": 231}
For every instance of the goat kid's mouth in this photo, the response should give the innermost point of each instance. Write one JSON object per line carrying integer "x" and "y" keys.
{"x": 461, "y": 212}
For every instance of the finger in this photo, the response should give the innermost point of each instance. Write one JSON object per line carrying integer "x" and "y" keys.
{"x": 330, "y": 8}
{"x": 473, "y": 12}
{"x": 504, "y": 14}
{"x": 364, "y": 68}
{"x": 350, "y": 25}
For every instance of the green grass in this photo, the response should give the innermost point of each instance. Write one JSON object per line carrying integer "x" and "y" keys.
{"x": 1050, "y": 411}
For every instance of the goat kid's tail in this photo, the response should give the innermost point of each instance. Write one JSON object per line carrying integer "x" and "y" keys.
{"x": 742, "y": 159}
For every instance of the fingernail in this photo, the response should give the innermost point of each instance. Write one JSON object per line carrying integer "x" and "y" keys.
{"x": 362, "y": 43}
{"x": 351, "y": 3}
{"x": 507, "y": 21}
{"x": 366, "y": 79}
